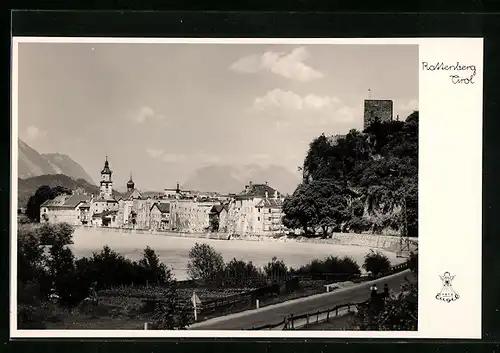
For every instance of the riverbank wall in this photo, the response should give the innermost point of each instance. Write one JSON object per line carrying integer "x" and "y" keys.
{"x": 386, "y": 242}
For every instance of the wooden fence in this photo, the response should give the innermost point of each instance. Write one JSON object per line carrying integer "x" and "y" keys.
{"x": 291, "y": 322}
{"x": 304, "y": 320}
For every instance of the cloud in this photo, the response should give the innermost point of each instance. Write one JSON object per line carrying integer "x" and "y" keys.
{"x": 209, "y": 158}
{"x": 405, "y": 108}
{"x": 289, "y": 65}
{"x": 33, "y": 133}
{"x": 289, "y": 100}
{"x": 147, "y": 114}
{"x": 409, "y": 106}
{"x": 247, "y": 65}
{"x": 289, "y": 108}
{"x": 160, "y": 155}
{"x": 154, "y": 153}
{"x": 261, "y": 157}
{"x": 172, "y": 158}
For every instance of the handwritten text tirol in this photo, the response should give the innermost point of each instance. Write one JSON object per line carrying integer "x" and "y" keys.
{"x": 463, "y": 74}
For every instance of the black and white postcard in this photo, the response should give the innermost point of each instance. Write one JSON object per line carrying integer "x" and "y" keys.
{"x": 246, "y": 187}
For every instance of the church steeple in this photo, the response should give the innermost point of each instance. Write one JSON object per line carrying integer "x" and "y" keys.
{"x": 106, "y": 169}
{"x": 106, "y": 182}
{"x": 130, "y": 184}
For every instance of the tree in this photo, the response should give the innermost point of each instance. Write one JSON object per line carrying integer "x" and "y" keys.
{"x": 276, "y": 270}
{"x": 319, "y": 203}
{"x": 205, "y": 263}
{"x": 42, "y": 194}
{"x": 58, "y": 233}
{"x": 381, "y": 164}
{"x": 30, "y": 254}
{"x": 376, "y": 263}
{"x": 152, "y": 269}
{"x": 61, "y": 265}
{"x": 298, "y": 210}
{"x": 238, "y": 273}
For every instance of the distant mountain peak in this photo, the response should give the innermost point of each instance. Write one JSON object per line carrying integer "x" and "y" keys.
{"x": 32, "y": 164}
{"x": 233, "y": 178}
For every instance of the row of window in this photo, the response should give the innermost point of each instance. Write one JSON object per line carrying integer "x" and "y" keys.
{"x": 258, "y": 219}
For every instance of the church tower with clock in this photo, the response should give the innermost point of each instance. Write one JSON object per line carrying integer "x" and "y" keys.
{"x": 106, "y": 191}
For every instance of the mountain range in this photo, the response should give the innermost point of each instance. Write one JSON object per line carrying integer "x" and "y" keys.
{"x": 232, "y": 179}
{"x": 30, "y": 163}
{"x": 53, "y": 169}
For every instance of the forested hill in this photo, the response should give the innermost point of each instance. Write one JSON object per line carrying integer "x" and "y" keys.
{"x": 27, "y": 187}
{"x": 363, "y": 182}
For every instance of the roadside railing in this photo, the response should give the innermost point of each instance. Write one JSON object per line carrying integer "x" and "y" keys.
{"x": 291, "y": 322}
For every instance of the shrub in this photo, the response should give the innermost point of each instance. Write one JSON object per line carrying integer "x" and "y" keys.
{"x": 243, "y": 274}
{"x": 276, "y": 270}
{"x": 399, "y": 313}
{"x": 108, "y": 268}
{"x": 205, "y": 263}
{"x": 170, "y": 314}
{"x": 376, "y": 263}
{"x": 332, "y": 268}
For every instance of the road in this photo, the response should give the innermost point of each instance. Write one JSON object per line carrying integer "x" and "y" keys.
{"x": 276, "y": 313}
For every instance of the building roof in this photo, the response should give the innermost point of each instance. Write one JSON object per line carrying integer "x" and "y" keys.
{"x": 270, "y": 203}
{"x": 102, "y": 199}
{"x": 130, "y": 183}
{"x": 106, "y": 169}
{"x": 162, "y": 206}
{"x": 217, "y": 209}
{"x": 66, "y": 201}
{"x": 257, "y": 190}
{"x": 127, "y": 195}
{"x": 104, "y": 213}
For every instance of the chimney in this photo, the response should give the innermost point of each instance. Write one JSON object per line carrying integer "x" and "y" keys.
{"x": 266, "y": 182}
{"x": 250, "y": 183}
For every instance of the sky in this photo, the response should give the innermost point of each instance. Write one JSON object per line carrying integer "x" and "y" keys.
{"x": 160, "y": 111}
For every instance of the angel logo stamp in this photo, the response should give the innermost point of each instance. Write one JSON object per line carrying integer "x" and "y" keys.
{"x": 447, "y": 293}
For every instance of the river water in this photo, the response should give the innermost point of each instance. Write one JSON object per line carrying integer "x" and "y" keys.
{"x": 173, "y": 251}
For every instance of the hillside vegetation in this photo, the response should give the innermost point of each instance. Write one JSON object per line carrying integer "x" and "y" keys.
{"x": 28, "y": 187}
{"x": 363, "y": 182}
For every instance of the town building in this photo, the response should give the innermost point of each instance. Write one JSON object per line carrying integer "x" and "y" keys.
{"x": 125, "y": 204}
{"x": 190, "y": 216}
{"x": 64, "y": 208}
{"x": 255, "y": 211}
{"x": 160, "y": 216}
{"x": 131, "y": 194}
{"x": 377, "y": 109}
{"x": 140, "y": 213}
